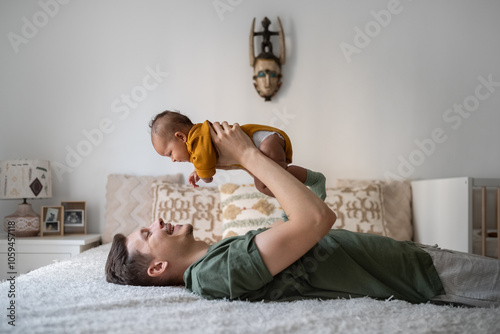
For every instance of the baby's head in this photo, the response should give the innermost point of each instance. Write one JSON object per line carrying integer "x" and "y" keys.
{"x": 169, "y": 131}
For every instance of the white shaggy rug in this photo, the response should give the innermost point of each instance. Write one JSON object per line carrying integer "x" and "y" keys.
{"x": 73, "y": 297}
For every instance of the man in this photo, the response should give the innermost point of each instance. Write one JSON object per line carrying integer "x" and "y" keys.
{"x": 302, "y": 258}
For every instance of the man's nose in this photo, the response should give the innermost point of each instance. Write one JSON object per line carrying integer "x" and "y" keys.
{"x": 157, "y": 223}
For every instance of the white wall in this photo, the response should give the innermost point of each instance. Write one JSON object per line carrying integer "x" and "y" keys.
{"x": 357, "y": 116}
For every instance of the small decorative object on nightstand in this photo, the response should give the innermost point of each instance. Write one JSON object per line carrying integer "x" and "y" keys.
{"x": 75, "y": 217}
{"x": 52, "y": 220}
{"x": 24, "y": 179}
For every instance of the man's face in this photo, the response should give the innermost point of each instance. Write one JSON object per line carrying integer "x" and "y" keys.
{"x": 174, "y": 148}
{"x": 267, "y": 77}
{"x": 164, "y": 242}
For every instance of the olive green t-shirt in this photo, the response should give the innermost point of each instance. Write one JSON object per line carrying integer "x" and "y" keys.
{"x": 343, "y": 264}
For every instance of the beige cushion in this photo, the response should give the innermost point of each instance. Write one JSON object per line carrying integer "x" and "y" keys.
{"x": 396, "y": 202}
{"x": 128, "y": 203}
{"x": 181, "y": 204}
{"x": 244, "y": 208}
{"x": 358, "y": 209}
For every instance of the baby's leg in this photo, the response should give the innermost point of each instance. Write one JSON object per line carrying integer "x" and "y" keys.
{"x": 274, "y": 147}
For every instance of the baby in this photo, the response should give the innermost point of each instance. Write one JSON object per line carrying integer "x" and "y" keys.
{"x": 174, "y": 135}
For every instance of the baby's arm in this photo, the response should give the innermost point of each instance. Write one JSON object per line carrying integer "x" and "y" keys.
{"x": 194, "y": 178}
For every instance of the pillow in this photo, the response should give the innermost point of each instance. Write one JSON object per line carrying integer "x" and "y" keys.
{"x": 128, "y": 203}
{"x": 358, "y": 209}
{"x": 181, "y": 204}
{"x": 244, "y": 208}
{"x": 396, "y": 203}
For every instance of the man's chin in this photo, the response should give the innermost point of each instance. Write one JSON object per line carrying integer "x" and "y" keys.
{"x": 182, "y": 229}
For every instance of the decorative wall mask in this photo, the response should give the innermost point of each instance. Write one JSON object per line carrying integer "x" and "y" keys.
{"x": 267, "y": 66}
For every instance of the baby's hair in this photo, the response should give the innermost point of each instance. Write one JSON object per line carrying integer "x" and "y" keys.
{"x": 167, "y": 123}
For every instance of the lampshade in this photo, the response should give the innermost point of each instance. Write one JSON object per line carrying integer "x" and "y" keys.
{"x": 25, "y": 179}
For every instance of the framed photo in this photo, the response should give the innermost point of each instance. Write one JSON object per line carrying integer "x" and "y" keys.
{"x": 52, "y": 220}
{"x": 75, "y": 217}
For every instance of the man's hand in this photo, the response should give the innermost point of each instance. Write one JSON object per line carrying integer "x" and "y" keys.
{"x": 231, "y": 143}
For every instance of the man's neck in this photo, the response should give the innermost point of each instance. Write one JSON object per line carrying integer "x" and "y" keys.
{"x": 198, "y": 251}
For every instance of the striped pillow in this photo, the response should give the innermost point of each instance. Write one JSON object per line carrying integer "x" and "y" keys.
{"x": 244, "y": 208}
{"x": 358, "y": 209}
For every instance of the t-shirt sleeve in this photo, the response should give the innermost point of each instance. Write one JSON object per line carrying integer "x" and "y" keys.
{"x": 230, "y": 270}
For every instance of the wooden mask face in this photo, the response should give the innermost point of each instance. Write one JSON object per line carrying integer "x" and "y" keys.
{"x": 267, "y": 77}
{"x": 267, "y": 66}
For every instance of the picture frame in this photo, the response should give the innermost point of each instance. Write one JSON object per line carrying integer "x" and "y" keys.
{"x": 75, "y": 217}
{"x": 52, "y": 220}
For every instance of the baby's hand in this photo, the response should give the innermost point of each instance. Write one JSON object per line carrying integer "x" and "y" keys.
{"x": 193, "y": 179}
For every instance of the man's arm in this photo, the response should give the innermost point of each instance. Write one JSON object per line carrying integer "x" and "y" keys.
{"x": 310, "y": 219}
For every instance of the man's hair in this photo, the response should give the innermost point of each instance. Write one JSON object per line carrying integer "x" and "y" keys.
{"x": 128, "y": 269}
{"x": 167, "y": 123}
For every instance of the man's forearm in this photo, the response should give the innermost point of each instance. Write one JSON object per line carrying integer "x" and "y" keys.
{"x": 294, "y": 197}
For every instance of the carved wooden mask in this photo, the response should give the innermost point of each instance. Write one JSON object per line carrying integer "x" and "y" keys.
{"x": 267, "y": 66}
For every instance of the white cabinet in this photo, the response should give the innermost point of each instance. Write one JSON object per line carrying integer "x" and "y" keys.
{"x": 457, "y": 213}
{"x": 31, "y": 253}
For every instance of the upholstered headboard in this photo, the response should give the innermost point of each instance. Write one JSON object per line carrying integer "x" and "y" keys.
{"x": 216, "y": 212}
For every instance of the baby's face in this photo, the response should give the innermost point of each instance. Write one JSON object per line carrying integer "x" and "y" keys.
{"x": 174, "y": 148}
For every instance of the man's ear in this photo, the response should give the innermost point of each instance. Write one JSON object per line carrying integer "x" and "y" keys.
{"x": 157, "y": 268}
{"x": 180, "y": 135}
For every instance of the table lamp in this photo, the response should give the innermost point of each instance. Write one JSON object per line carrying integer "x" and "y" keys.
{"x": 24, "y": 179}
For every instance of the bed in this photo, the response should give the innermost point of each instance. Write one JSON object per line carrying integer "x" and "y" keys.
{"x": 72, "y": 296}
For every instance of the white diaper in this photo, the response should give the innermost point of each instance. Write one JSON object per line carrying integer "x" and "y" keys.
{"x": 259, "y": 136}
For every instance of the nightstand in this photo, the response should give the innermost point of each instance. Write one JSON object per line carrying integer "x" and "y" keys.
{"x": 35, "y": 252}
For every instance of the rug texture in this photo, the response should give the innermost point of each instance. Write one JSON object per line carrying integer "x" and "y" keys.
{"x": 73, "y": 297}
